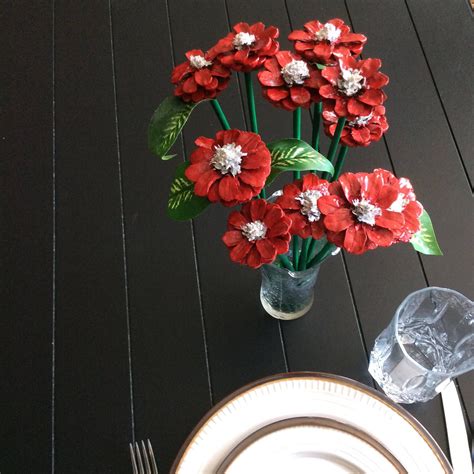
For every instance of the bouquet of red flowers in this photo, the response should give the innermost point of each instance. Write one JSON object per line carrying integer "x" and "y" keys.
{"x": 320, "y": 209}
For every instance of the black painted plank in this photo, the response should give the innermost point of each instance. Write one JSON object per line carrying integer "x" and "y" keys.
{"x": 167, "y": 342}
{"x": 446, "y": 30}
{"x": 311, "y": 341}
{"x": 244, "y": 343}
{"x": 380, "y": 279}
{"x": 93, "y": 416}
{"x": 26, "y": 217}
{"x": 422, "y": 148}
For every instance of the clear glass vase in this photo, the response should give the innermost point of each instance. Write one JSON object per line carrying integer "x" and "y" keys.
{"x": 285, "y": 294}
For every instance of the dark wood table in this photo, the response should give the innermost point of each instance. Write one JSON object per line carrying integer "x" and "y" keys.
{"x": 119, "y": 324}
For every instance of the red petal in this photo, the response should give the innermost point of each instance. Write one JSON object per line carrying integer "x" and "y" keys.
{"x": 239, "y": 252}
{"x": 284, "y": 57}
{"x": 254, "y": 259}
{"x": 379, "y": 236}
{"x": 313, "y": 26}
{"x": 254, "y": 177}
{"x": 204, "y": 142}
{"x": 350, "y": 186}
{"x": 268, "y": 78}
{"x": 277, "y": 94}
{"x": 299, "y": 95}
{"x": 354, "y": 240}
{"x": 203, "y": 77}
{"x": 236, "y": 219}
{"x": 228, "y": 188}
{"x": 317, "y": 229}
{"x": 370, "y": 66}
{"x": 194, "y": 171}
{"x": 355, "y": 107}
{"x": 387, "y": 195}
{"x": 377, "y": 81}
{"x": 330, "y": 204}
{"x": 390, "y": 220}
{"x": 273, "y": 215}
{"x": 232, "y": 237}
{"x": 266, "y": 249}
{"x": 189, "y": 85}
{"x": 331, "y": 74}
{"x": 280, "y": 228}
{"x": 323, "y": 50}
{"x": 299, "y": 35}
{"x": 257, "y": 209}
{"x": 339, "y": 220}
{"x": 201, "y": 188}
{"x": 372, "y": 97}
{"x": 281, "y": 245}
{"x": 328, "y": 91}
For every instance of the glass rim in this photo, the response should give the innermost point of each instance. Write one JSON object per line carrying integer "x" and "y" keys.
{"x": 293, "y": 274}
{"x": 397, "y": 316}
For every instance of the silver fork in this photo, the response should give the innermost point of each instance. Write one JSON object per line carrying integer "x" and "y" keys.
{"x": 143, "y": 461}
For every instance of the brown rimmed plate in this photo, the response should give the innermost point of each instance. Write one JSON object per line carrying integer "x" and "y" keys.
{"x": 307, "y": 422}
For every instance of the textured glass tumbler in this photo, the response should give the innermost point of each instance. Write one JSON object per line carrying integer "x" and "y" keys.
{"x": 429, "y": 341}
{"x": 285, "y": 294}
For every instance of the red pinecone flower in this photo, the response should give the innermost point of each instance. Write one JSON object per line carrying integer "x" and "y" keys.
{"x": 354, "y": 87}
{"x": 358, "y": 131}
{"x": 300, "y": 203}
{"x": 325, "y": 43}
{"x": 405, "y": 203}
{"x": 231, "y": 168}
{"x": 247, "y": 47}
{"x": 290, "y": 82}
{"x": 200, "y": 77}
{"x": 361, "y": 212}
{"x": 258, "y": 233}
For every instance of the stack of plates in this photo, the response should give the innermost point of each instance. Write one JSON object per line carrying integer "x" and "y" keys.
{"x": 305, "y": 423}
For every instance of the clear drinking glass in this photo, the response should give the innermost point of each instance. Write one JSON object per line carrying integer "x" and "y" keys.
{"x": 285, "y": 294}
{"x": 429, "y": 341}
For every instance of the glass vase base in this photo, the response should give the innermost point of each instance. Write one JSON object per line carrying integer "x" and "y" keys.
{"x": 285, "y": 316}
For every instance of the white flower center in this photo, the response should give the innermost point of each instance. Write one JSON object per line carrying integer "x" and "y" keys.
{"x": 243, "y": 39}
{"x": 361, "y": 121}
{"x": 308, "y": 201}
{"x": 295, "y": 72}
{"x": 227, "y": 158}
{"x": 350, "y": 81}
{"x": 328, "y": 32}
{"x": 365, "y": 211}
{"x": 198, "y": 62}
{"x": 255, "y": 230}
{"x": 399, "y": 204}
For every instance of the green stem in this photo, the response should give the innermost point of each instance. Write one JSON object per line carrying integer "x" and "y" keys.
{"x": 321, "y": 256}
{"x": 220, "y": 114}
{"x": 334, "y": 142}
{"x": 317, "y": 110}
{"x": 251, "y": 102}
{"x": 296, "y": 251}
{"x": 304, "y": 253}
{"x": 296, "y": 175}
{"x": 286, "y": 262}
{"x": 340, "y": 162}
{"x": 311, "y": 250}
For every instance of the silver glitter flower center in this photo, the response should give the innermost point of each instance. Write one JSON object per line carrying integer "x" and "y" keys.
{"x": 227, "y": 158}
{"x": 295, "y": 72}
{"x": 255, "y": 230}
{"x": 328, "y": 32}
{"x": 361, "y": 121}
{"x": 308, "y": 201}
{"x": 198, "y": 62}
{"x": 365, "y": 211}
{"x": 350, "y": 81}
{"x": 243, "y": 39}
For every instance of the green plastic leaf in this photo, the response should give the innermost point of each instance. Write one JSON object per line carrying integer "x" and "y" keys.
{"x": 320, "y": 66}
{"x": 424, "y": 241}
{"x": 183, "y": 204}
{"x": 168, "y": 157}
{"x": 292, "y": 154}
{"x": 166, "y": 124}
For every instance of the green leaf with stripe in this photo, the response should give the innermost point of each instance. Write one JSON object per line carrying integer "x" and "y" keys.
{"x": 183, "y": 204}
{"x": 424, "y": 241}
{"x": 166, "y": 124}
{"x": 292, "y": 154}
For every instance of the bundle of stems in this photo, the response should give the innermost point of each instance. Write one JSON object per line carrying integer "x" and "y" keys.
{"x": 303, "y": 253}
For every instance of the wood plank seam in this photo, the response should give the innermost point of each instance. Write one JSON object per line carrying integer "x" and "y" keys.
{"x": 191, "y": 224}
{"x": 439, "y": 95}
{"x": 122, "y": 223}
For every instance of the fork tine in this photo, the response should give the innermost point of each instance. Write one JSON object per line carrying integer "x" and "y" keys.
{"x": 152, "y": 458}
{"x": 139, "y": 459}
{"x": 134, "y": 461}
{"x": 145, "y": 459}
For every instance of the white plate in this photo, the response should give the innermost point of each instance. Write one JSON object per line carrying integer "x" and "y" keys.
{"x": 309, "y": 422}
